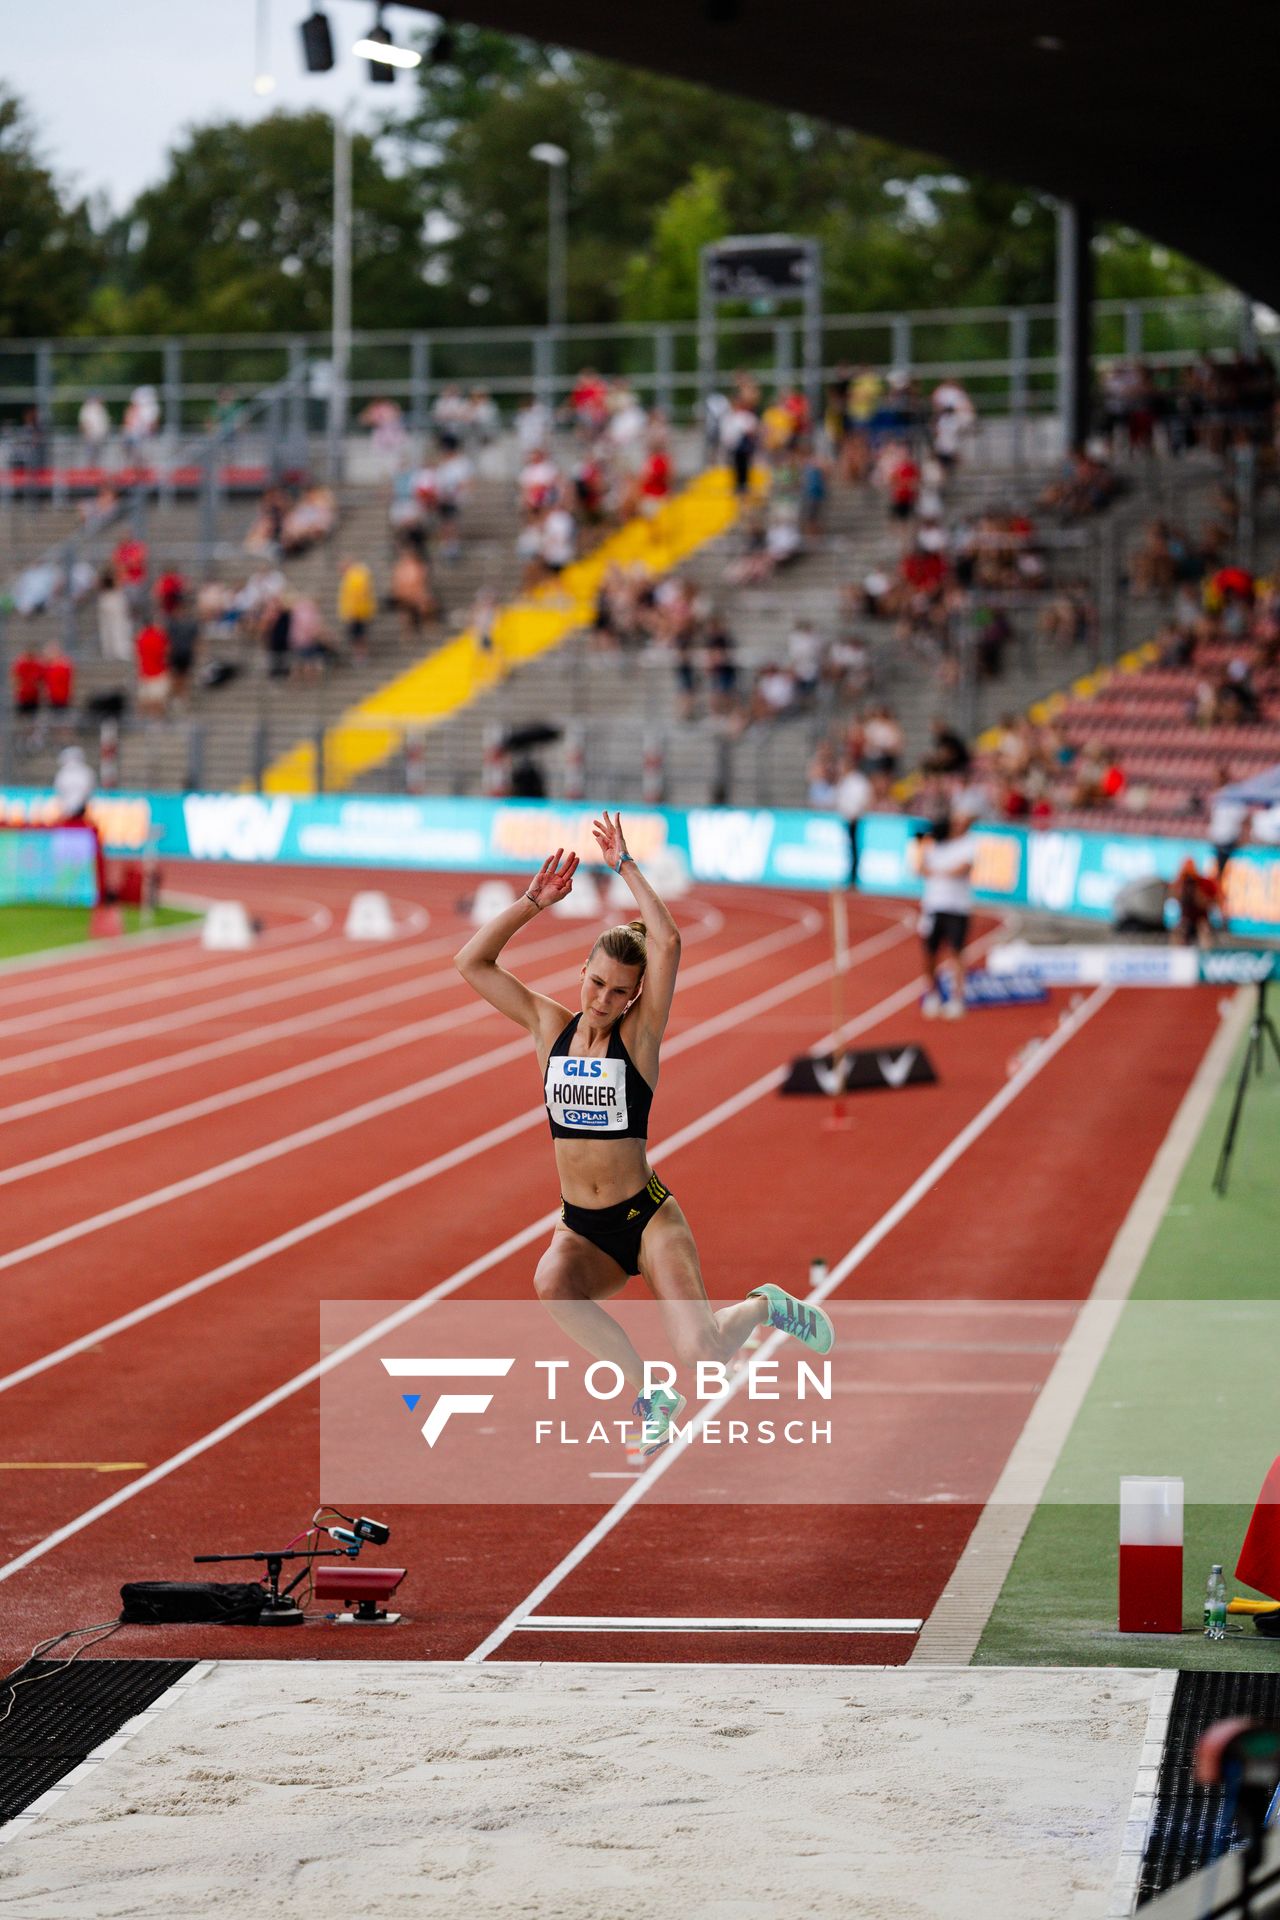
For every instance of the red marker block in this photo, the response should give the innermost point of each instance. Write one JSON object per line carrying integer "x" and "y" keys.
{"x": 1150, "y": 1555}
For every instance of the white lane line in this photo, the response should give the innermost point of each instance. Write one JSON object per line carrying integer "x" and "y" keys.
{"x": 403, "y": 955}
{"x": 344, "y": 1122}
{"x": 855, "y": 1257}
{"x": 515, "y": 1243}
{"x": 444, "y": 1163}
{"x": 390, "y": 1042}
{"x": 186, "y": 980}
{"x": 710, "y": 1623}
{"x": 254, "y": 1037}
{"x": 959, "y": 1619}
{"x": 127, "y": 962}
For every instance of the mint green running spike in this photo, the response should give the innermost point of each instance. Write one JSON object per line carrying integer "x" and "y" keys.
{"x": 806, "y": 1323}
{"x": 656, "y": 1415}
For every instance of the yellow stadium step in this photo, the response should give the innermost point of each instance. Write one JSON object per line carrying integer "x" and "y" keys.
{"x": 372, "y": 732}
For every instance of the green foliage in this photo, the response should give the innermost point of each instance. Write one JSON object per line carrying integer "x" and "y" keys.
{"x": 662, "y": 283}
{"x": 450, "y": 213}
{"x": 237, "y": 236}
{"x": 49, "y": 253}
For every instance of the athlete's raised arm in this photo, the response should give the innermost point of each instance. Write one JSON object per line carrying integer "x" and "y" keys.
{"x": 662, "y": 935}
{"x": 477, "y": 962}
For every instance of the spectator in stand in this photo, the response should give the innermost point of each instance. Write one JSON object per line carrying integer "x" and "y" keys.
{"x": 953, "y": 420}
{"x": 948, "y": 753}
{"x": 95, "y": 429}
{"x": 73, "y": 785}
{"x": 130, "y": 563}
{"x": 450, "y": 416}
{"x": 485, "y": 422}
{"x": 26, "y": 678}
{"x": 882, "y": 743}
{"x": 115, "y": 625}
{"x": 739, "y": 437}
{"x": 309, "y": 520}
{"x": 308, "y": 638}
{"x": 454, "y": 478}
{"x": 775, "y": 692}
{"x": 385, "y": 421}
{"x": 357, "y": 606}
{"x": 684, "y": 646}
{"x": 539, "y": 481}
{"x": 152, "y": 651}
{"x": 589, "y": 401}
{"x": 559, "y": 540}
{"x": 822, "y": 776}
{"x": 719, "y": 659}
{"x": 847, "y": 667}
{"x": 899, "y": 477}
{"x": 277, "y": 622}
{"x": 182, "y": 630}
{"x": 57, "y": 681}
{"x": 654, "y": 487}
{"x": 804, "y": 656}
{"x": 141, "y": 421}
{"x": 411, "y": 592}
{"x": 169, "y": 591}
{"x": 533, "y": 428}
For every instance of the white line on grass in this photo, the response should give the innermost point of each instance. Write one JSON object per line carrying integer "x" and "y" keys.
{"x": 859, "y": 1252}
{"x": 515, "y": 1243}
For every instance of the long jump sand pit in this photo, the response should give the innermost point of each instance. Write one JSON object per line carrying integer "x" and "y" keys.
{"x": 586, "y": 1792}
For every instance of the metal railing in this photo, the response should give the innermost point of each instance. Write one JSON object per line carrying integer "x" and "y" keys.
{"x": 1008, "y": 357}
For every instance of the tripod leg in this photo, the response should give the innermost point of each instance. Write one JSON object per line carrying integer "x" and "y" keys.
{"x": 1237, "y": 1107}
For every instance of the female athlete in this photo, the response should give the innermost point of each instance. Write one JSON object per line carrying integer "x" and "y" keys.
{"x": 599, "y": 1069}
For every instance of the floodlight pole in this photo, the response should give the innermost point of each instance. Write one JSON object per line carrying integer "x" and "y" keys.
{"x": 340, "y": 352}
{"x": 1075, "y": 321}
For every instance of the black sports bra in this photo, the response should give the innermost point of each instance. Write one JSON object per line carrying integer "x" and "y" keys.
{"x": 590, "y": 1097}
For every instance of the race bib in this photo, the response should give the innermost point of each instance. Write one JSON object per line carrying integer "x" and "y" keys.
{"x": 588, "y": 1096}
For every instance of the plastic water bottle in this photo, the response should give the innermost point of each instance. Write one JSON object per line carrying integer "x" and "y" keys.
{"x": 817, "y": 1272}
{"x": 1215, "y": 1606}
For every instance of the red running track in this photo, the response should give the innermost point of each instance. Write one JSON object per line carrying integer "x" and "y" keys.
{"x": 196, "y": 1150}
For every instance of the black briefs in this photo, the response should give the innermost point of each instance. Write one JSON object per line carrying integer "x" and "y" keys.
{"x": 617, "y": 1230}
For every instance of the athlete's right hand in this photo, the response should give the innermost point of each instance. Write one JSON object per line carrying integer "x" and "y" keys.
{"x": 552, "y": 882}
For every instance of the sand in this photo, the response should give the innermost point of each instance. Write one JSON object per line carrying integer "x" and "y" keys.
{"x": 587, "y": 1792}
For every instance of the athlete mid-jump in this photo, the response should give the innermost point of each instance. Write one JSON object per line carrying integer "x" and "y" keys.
{"x": 599, "y": 1069}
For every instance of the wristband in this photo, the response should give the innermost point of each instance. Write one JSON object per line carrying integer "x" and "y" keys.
{"x": 622, "y": 863}
{"x": 532, "y": 902}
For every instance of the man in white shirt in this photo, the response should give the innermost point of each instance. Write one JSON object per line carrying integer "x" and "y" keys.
{"x": 944, "y": 861}
{"x": 853, "y": 798}
{"x": 1228, "y": 824}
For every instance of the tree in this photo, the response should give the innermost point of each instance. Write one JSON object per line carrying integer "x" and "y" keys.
{"x": 238, "y": 235}
{"x": 49, "y": 252}
{"x": 662, "y": 283}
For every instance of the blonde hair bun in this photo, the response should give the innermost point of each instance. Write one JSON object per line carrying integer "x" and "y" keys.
{"x": 626, "y": 945}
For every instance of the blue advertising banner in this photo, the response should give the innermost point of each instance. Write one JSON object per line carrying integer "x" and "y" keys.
{"x": 1071, "y": 873}
{"x": 50, "y": 866}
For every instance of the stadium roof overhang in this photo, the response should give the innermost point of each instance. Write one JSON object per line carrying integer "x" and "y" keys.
{"x": 1158, "y": 117}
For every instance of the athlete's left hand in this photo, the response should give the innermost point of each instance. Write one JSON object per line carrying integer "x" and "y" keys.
{"x": 609, "y": 838}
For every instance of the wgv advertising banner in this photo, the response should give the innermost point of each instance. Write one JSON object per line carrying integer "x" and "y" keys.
{"x": 1047, "y": 871}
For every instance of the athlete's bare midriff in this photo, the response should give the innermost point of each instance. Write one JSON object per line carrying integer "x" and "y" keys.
{"x": 600, "y": 1173}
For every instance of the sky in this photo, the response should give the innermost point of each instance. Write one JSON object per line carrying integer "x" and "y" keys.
{"x": 111, "y": 84}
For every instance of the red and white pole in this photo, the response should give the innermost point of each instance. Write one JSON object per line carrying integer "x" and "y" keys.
{"x": 1150, "y": 1555}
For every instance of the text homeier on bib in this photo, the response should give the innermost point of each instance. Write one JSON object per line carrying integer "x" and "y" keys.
{"x": 588, "y": 1095}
